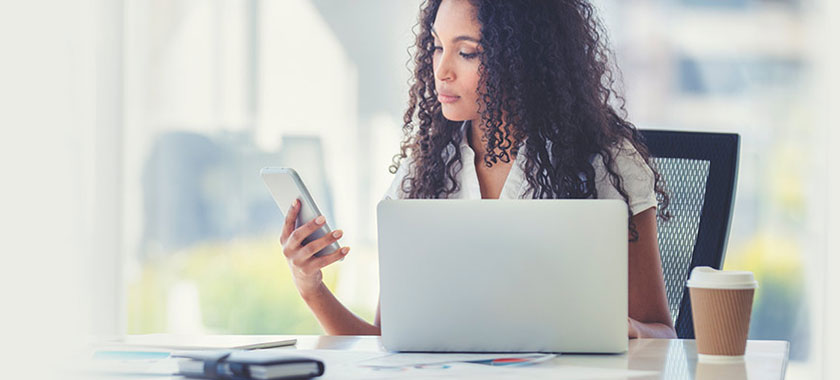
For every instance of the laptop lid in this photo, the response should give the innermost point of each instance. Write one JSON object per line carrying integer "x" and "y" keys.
{"x": 503, "y": 275}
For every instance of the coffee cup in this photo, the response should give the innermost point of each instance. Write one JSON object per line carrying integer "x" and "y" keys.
{"x": 721, "y": 304}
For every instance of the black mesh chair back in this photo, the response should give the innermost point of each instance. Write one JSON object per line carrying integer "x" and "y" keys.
{"x": 700, "y": 172}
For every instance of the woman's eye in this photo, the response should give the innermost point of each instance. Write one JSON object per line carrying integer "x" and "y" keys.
{"x": 465, "y": 55}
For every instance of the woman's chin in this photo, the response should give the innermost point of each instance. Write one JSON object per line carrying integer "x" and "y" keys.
{"x": 455, "y": 115}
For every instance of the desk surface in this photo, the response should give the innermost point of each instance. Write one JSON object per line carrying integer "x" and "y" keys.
{"x": 659, "y": 358}
{"x": 671, "y": 358}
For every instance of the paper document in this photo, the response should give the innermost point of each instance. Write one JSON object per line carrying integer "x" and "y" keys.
{"x": 396, "y": 360}
{"x": 341, "y": 364}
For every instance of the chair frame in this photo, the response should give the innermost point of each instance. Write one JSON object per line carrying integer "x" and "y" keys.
{"x": 722, "y": 152}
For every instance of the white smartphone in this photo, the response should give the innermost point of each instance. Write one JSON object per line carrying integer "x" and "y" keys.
{"x": 285, "y": 186}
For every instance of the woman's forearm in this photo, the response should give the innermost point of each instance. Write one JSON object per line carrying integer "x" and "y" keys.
{"x": 334, "y": 318}
{"x": 650, "y": 330}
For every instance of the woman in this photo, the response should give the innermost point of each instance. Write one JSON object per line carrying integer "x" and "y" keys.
{"x": 512, "y": 99}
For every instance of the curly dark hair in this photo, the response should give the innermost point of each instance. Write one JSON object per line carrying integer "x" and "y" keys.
{"x": 546, "y": 66}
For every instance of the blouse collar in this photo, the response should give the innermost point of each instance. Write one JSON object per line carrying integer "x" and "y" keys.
{"x": 468, "y": 177}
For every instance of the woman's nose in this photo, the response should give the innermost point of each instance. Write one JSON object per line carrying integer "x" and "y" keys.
{"x": 443, "y": 70}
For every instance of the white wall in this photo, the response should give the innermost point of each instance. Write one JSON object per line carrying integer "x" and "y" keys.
{"x": 829, "y": 345}
{"x": 59, "y": 112}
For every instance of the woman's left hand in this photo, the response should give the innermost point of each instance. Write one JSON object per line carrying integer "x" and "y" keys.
{"x": 637, "y": 329}
{"x": 632, "y": 331}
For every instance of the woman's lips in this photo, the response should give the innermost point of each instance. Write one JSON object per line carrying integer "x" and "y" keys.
{"x": 448, "y": 98}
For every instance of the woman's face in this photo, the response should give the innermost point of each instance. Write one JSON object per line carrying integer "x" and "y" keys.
{"x": 457, "y": 34}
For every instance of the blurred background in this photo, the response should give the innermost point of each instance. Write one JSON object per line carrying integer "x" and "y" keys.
{"x": 134, "y": 131}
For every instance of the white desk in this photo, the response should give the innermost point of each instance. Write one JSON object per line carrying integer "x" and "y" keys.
{"x": 672, "y": 358}
{"x": 669, "y": 359}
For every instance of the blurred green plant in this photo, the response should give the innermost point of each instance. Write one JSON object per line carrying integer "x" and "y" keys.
{"x": 244, "y": 287}
{"x": 779, "y": 309}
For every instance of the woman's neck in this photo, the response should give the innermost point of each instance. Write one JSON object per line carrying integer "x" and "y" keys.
{"x": 475, "y": 134}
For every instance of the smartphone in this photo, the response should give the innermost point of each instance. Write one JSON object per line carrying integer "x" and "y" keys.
{"x": 285, "y": 185}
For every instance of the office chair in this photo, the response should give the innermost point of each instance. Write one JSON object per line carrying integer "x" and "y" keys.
{"x": 700, "y": 171}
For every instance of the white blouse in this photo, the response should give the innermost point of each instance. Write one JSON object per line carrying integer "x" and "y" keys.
{"x": 636, "y": 176}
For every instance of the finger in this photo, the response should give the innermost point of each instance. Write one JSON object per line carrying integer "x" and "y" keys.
{"x": 317, "y": 245}
{"x": 289, "y": 225}
{"x": 305, "y": 230}
{"x": 320, "y": 262}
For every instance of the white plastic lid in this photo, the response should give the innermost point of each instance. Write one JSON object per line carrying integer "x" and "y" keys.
{"x": 708, "y": 277}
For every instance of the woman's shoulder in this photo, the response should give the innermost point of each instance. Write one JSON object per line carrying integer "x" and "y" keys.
{"x": 625, "y": 156}
{"x": 637, "y": 177}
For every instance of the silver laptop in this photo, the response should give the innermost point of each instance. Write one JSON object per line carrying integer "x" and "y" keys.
{"x": 503, "y": 275}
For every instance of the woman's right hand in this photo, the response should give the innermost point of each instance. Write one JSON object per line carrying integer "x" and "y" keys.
{"x": 306, "y": 268}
